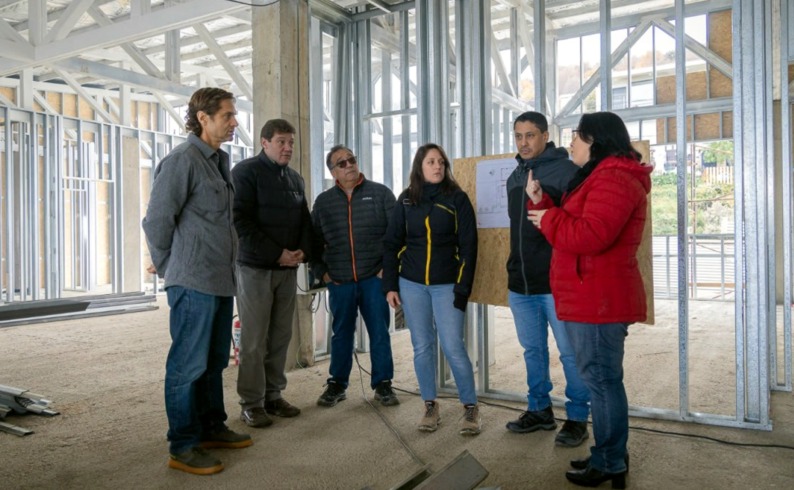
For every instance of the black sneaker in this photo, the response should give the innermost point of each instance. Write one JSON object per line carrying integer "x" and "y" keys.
{"x": 386, "y": 394}
{"x": 196, "y": 461}
{"x": 225, "y": 439}
{"x": 281, "y": 408}
{"x": 572, "y": 434}
{"x": 333, "y": 394}
{"x": 532, "y": 421}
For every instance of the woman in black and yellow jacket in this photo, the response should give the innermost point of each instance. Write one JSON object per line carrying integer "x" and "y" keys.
{"x": 428, "y": 268}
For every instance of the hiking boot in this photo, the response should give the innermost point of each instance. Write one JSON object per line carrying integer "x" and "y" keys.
{"x": 282, "y": 408}
{"x": 572, "y": 434}
{"x": 333, "y": 394}
{"x": 386, "y": 394}
{"x": 431, "y": 418}
{"x": 532, "y": 421}
{"x": 196, "y": 461}
{"x": 255, "y": 417}
{"x": 225, "y": 439}
{"x": 472, "y": 423}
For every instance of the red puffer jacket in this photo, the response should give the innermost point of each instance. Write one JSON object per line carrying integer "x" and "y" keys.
{"x": 595, "y": 234}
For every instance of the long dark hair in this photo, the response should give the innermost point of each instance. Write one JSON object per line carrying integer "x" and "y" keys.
{"x": 608, "y": 136}
{"x": 417, "y": 179}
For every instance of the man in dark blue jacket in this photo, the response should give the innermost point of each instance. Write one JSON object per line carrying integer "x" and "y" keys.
{"x": 350, "y": 220}
{"x": 273, "y": 222}
{"x": 528, "y": 281}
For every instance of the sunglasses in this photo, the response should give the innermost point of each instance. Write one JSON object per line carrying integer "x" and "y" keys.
{"x": 345, "y": 162}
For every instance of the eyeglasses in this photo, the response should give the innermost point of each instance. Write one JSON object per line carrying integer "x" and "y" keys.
{"x": 574, "y": 135}
{"x": 345, "y": 162}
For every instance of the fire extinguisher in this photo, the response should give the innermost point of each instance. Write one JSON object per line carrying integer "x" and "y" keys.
{"x": 236, "y": 326}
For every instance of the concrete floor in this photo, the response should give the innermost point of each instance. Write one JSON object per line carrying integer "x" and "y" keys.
{"x": 105, "y": 376}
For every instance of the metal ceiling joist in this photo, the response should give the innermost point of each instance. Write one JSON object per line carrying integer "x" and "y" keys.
{"x": 134, "y": 53}
{"x": 85, "y": 95}
{"x": 219, "y": 53}
{"x": 66, "y": 23}
{"x": 123, "y": 30}
{"x": 595, "y": 78}
{"x": 77, "y": 65}
{"x": 630, "y": 20}
{"x": 710, "y": 56}
{"x": 170, "y": 110}
{"x": 499, "y": 65}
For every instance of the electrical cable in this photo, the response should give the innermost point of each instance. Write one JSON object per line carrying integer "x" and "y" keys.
{"x": 631, "y": 427}
{"x": 388, "y": 424}
{"x": 247, "y": 4}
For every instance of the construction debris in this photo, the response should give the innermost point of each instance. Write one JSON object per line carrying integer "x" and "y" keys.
{"x": 21, "y": 402}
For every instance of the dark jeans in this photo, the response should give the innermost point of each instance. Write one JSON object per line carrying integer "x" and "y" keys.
{"x": 201, "y": 336}
{"x": 599, "y": 359}
{"x": 346, "y": 300}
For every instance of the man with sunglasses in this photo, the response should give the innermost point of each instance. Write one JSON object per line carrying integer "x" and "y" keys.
{"x": 529, "y": 290}
{"x": 349, "y": 221}
{"x": 272, "y": 219}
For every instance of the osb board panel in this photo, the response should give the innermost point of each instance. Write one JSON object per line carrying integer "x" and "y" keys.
{"x": 707, "y": 126}
{"x": 54, "y": 99}
{"x": 9, "y": 93}
{"x": 645, "y": 252}
{"x": 131, "y": 215}
{"x": 86, "y": 111}
{"x": 719, "y": 84}
{"x": 665, "y": 90}
{"x": 720, "y": 28}
{"x": 493, "y": 244}
{"x": 727, "y": 124}
{"x": 102, "y": 242}
{"x": 696, "y": 86}
{"x": 69, "y": 105}
{"x": 672, "y": 127}
{"x": 145, "y": 191}
{"x": 144, "y": 115}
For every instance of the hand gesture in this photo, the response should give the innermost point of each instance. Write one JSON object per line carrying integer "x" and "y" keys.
{"x": 534, "y": 191}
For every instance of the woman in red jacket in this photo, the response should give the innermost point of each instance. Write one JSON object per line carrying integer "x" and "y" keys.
{"x": 595, "y": 280}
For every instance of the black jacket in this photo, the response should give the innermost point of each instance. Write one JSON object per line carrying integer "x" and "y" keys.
{"x": 530, "y": 253}
{"x": 270, "y": 212}
{"x": 348, "y": 231}
{"x": 450, "y": 224}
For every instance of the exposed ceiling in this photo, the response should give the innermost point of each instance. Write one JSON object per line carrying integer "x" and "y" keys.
{"x": 166, "y": 47}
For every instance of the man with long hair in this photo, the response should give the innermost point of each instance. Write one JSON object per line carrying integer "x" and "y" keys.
{"x": 192, "y": 241}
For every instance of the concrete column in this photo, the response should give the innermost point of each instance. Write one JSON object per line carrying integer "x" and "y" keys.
{"x": 280, "y": 39}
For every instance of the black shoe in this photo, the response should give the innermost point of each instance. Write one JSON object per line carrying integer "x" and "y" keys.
{"x": 256, "y": 417}
{"x": 581, "y": 464}
{"x": 225, "y": 439}
{"x": 532, "y": 421}
{"x": 572, "y": 434}
{"x": 591, "y": 477}
{"x": 282, "y": 408}
{"x": 385, "y": 394}
{"x": 333, "y": 394}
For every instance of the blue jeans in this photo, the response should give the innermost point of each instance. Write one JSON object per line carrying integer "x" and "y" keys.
{"x": 599, "y": 357}
{"x": 532, "y": 315}
{"x": 346, "y": 300}
{"x": 201, "y": 336}
{"x": 430, "y": 309}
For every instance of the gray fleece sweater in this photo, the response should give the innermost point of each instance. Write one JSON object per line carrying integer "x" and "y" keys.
{"x": 188, "y": 222}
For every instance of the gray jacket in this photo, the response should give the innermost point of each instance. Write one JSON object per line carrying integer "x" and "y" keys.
{"x": 188, "y": 222}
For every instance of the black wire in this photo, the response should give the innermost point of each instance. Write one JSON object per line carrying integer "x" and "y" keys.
{"x": 253, "y": 4}
{"x": 631, "y": 427}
